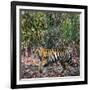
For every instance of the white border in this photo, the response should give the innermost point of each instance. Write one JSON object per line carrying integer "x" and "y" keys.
{"x": 57, "y": 79}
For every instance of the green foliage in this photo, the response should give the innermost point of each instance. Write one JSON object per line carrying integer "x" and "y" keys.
{"x": 48, "y": 29}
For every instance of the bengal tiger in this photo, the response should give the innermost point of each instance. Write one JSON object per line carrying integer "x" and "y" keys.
{"x": 49, "y": 56}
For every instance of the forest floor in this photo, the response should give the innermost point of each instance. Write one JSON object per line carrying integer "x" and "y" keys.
{"x": 53, "y": 70}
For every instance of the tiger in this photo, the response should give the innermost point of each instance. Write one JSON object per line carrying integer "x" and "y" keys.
{"x": 54, "y": 55}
